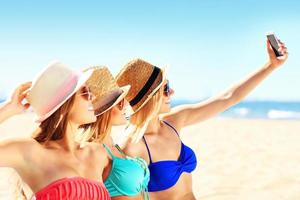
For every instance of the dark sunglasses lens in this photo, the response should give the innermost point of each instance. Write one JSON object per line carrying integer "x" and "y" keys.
{"x": 85, "y": 92}
{"x": 167, "y": 89}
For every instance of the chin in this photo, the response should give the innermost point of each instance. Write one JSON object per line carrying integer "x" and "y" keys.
{"x": 165, "y": 111}
{"x": 91, "y": 119}
{"x": 119, "y": 122}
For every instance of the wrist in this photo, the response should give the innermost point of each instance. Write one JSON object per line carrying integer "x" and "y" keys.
{"x": 8, "y": 109}
{"x": 271, "y": 65}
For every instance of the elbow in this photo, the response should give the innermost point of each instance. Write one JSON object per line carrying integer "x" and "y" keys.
{"x": 231, "y": 98}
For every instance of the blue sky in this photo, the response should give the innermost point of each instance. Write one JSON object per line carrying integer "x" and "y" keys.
{"x": 208, "y": 45}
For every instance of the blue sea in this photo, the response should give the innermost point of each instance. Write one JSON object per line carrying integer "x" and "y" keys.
{"x": 255, "y": 109}
{"x": 259, "y": 110}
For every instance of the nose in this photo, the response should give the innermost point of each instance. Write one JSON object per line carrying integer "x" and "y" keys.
{"x": 171, "y": 92}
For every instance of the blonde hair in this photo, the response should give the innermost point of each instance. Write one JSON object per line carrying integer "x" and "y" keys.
{"x": 99, "y": 130}
{"x": 140, "y": 120}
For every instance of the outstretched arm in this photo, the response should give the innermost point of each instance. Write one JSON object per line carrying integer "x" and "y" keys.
{"x": 185, "y": 115}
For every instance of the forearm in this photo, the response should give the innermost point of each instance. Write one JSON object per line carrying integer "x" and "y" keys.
{"x": 5, "y": 111}
{"x": 191, "y": 114}
{"x": 240, "y": 90}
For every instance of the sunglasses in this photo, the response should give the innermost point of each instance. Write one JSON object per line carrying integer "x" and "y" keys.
{"x": 86, "y": 94}
{"x": 167, "y": 90}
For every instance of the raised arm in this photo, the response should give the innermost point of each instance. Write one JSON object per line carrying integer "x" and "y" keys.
{"x": 14, "y": 105}
{"x": 11, "y": 151}
{"x": 185, "y": 115}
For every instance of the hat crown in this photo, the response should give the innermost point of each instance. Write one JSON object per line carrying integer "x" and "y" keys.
{"x": 102, "y": 82}
{"x": 137, "y": 74}
{"x": 51, "y": 87}
{"x": 105, "y": 88}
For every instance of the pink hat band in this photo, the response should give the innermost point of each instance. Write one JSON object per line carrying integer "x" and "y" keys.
{"x": 61, "y": 94}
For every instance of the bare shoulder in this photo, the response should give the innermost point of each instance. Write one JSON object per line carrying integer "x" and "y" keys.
{"x": 97, "y": 152}
{"x": 174, "y": 120}
{"x": 136, "y": 149}
{"x": 95, "y": 149}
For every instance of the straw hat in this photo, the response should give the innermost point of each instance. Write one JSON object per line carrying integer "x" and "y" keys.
{"x": 105, "y": 89}
{"x": 53, "y": 87}
{"x": 145, "y": 80}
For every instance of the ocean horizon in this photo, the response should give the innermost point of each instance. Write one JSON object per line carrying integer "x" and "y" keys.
{"x": 278, "y": 110}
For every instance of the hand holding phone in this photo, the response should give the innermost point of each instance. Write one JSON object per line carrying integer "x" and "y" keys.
{"x": 274, "y": 44}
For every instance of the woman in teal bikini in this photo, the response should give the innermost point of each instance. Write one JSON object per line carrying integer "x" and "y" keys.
{"x": 124, "y": 177}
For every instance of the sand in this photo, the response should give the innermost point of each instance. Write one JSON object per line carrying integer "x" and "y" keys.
{"x": 238, "y": 159}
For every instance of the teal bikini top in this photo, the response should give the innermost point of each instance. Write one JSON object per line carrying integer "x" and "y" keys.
{"x": 128, "y": 176}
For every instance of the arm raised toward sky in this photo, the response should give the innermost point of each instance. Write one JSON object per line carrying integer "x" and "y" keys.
{"x": 14, "y": 106}
{"x": 10, "y": 151}
{"x": 185, "y": 115}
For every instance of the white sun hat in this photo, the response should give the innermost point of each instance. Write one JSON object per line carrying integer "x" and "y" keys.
{"x": 53, "y": 87}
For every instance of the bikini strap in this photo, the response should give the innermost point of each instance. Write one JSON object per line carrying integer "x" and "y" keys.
{"x": 108, "y": 151}
{"x": 149, "y": 154}
{"x": 172, "y": 127}
{"x": 120, "y": 150}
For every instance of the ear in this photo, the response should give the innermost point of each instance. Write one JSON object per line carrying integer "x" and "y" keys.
{"x": 116, "y": 108}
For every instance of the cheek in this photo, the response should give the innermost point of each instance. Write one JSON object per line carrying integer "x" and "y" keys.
{"x": 81, "y": 114}
{"x": 117, "y": 117}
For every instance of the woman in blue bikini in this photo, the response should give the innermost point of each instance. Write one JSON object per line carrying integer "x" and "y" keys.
{"x": 157, "y": 125}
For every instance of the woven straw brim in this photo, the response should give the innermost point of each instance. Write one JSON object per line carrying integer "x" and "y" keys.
{"x": 114, "y": 102}
{"x": 105, "y": 89}
{"x": 124, "y": 79}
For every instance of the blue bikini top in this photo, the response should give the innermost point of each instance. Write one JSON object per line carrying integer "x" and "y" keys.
{"x": 165, "y": 174}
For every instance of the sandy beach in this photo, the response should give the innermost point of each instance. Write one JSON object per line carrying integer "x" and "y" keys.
{"x": 238, "y": 159}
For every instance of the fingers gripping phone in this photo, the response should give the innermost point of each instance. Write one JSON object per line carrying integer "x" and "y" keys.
{"x": 274, "y": 44}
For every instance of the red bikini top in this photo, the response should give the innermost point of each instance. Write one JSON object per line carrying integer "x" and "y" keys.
{"x": 76, "y": 188}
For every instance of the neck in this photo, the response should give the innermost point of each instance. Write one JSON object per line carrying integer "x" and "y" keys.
{"x": 68, "y": 141}
{"x": 153, "y": 126}
{"x": 108, "y": 141}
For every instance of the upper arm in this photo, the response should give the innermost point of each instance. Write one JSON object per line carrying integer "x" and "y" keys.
{"x": 190, "y": 114}
{"x": 12, "y": 152}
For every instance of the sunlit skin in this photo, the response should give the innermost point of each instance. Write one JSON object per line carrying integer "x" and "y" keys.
{"x": 118, "y": 113}
{"x": 65, "y": 157}
{"x": 164, "y": 144}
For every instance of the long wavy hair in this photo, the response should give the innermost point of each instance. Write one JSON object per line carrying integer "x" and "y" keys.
{"x": 140, "y": 120}
{"x": 54, "y": 127}
{"x": 98, "y": 131}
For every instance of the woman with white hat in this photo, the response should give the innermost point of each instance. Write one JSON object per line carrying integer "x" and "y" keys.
{"x": 170, "y": 161}
{"x": 52, "y": 163}
{"x": 124, "y": 177}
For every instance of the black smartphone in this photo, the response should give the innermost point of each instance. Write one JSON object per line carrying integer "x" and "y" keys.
{"x": 274, "y": 43}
